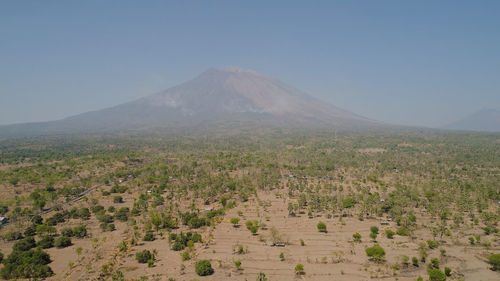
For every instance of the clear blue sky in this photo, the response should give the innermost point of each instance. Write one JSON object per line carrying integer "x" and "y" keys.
{"x": 406, "y": 62}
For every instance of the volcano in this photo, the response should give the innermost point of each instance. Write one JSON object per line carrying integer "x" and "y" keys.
{"x": 231, "y": 97}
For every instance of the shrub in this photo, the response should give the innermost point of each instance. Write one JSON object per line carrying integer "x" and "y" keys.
{"x": 373, "y": 235}
{"x": 389, "y": 233}
{"x": 299, "y": 269}
{"x": 67, "y": 232}
{"x": 150, "y": 236}
{"x": 432, "y": 244}
{"x": 107, "y": 226}
{"x": 37, "y": 219}
{"x": 347, "y": 203}
{"x": 185, "y": 256}
{"x": 357, "y": 237}
{"x": 197, "y": 222}
{"x": 24, "y": 244}
{"x": 282, "y": 256}
{"x": 434, "y": 263}
{"x": 84, "y": 213}
{"x": 322, "y": 227}
{"x": 436, "y": 275}
{"x": 12, "y": 235}
{"x": 447, "y": 271}
{"x": 414, "y": 261}
{"x": 376, "y": 252}
{"x": 262, "y": 277}
{"x": 80, "y": 231}
{"x": 494, "y": 261}
{"x": 253, "y": 226}
{"x": 178, "y": 246}
{"x": 45, "y": 229}
{"x": 117, "y": 199}
{"x": 103, "y": 217}
{"x": 30, "y": 230}
{"x": 122, "y": 214}
{"x": 203, "y": 268}
{"x": 374, "y": 229}
{"x": 235, "y": 221}
{"x": 183, "y": 240}
{"x": 143, "y": 256}
{"x": 237, "y": 264}
{"x": 403, "y": 231}
{"x": 63, "y": 242}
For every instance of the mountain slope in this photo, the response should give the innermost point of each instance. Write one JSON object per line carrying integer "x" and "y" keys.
{"x": 217, "y": 97}
{"x": 483, "y": 120}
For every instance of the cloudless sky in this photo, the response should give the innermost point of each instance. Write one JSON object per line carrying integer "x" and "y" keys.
{"x": 404, "y": 62}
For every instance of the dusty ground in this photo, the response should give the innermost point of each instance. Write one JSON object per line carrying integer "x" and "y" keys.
{"x": 325, "y": 256}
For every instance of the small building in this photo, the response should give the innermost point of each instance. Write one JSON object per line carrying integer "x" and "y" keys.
{"x": 209, "y": 209}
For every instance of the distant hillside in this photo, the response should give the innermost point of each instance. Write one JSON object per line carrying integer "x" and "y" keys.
{"x": 483, "y": 120}
{"x": 230, "y": 97}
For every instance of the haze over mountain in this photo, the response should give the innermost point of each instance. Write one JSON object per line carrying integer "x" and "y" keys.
{"x": 218, "y": 97}
{"x": 484, "y": 120}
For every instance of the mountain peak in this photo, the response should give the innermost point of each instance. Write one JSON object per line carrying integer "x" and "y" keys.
{"x": 216, "y": 97}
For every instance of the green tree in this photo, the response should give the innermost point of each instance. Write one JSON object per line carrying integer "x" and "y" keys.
{"x": 235, "y": 221}
{"x": 322, "y": 227}
{"x": 436, "y": 275}
{"x": 299, "y": 269}
{"x": 357, "y": 237}
{"x": 144, "y": 256}
{"x": 494, "y": 261}
{"x": 203, "y": 268}
{"x": 375, "y": 252}
{"x": 262, "y": 277}
{"x": 62, "y": 242}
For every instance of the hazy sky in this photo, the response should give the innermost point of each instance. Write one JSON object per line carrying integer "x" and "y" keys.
{"x": 405, "y": 62}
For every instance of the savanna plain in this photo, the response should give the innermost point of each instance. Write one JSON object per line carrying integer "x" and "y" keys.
{"x": 251, "y": 205}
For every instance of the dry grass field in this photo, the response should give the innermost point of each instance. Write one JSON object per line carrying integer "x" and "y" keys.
{"x": 440, "y": 205}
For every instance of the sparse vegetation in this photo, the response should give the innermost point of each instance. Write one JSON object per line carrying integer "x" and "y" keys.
{"x": 178, "y": 193}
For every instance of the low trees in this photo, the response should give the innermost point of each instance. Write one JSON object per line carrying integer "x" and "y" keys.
{"x": 181, "y": 241}
{"x": 26, "y": 264}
